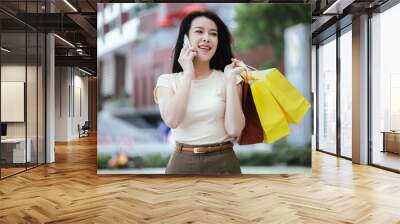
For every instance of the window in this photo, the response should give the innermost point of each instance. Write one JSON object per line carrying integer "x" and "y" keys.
{"x": 327, "y": 96}
{"x": 113, "y": 24}
{"x": 385, "y": 88}
{"x": 22, "y": 66}
{"x": 346, "y": 93}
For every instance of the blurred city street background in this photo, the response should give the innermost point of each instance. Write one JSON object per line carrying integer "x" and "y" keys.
{"x": 135, "y": 45}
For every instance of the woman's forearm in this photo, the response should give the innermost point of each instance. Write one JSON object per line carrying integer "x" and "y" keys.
{"x": 234, "y": 117}
{"x": 174, "y": 109}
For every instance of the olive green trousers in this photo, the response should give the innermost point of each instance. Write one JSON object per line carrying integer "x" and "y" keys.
{"x": 214, "y": 163}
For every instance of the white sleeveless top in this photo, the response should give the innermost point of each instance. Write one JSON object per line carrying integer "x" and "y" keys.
{"x": 204, "y": 119}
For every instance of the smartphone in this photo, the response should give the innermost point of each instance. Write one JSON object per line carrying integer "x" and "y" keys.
{"x": 186, "y": 41}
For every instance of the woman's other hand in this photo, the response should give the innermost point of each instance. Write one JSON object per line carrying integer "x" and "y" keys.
{"x": 232, "y": 70}
{"x": 186, "y": 59}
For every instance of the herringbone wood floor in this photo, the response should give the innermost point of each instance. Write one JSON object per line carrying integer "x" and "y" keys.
{"x": 69, "y": 191}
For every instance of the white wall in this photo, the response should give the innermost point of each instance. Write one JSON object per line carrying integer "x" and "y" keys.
{"x": 71, "y": 93}
{"x": 61, "y": 103}
{"x": 80, "y": 100}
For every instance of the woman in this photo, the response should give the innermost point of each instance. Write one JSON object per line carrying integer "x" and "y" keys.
{"x": 201, "y": 100}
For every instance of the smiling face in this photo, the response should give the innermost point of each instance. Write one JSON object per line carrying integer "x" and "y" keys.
{"x": 203, "y": 36}
{"x": 209, "y": 37}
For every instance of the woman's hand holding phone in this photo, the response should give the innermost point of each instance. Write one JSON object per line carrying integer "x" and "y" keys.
{"x": 186, "y": 57}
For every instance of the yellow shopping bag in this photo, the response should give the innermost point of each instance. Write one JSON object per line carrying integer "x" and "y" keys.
{"x": 272, "y": 119}
{"x": 292, "y": 102}
{"x": 277, "y": 102}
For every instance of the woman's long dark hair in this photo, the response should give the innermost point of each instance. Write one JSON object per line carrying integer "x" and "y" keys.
{"x": 223, "y": 54}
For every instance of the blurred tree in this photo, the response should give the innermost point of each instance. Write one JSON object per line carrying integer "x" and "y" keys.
{"x": 264, "y": 24}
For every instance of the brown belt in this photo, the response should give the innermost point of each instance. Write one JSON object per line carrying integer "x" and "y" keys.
{"x": 197, "y": 149}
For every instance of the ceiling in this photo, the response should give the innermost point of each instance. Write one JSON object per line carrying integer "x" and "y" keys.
{"x": 328, "y": 16}
{"x": 73, "y": 21}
